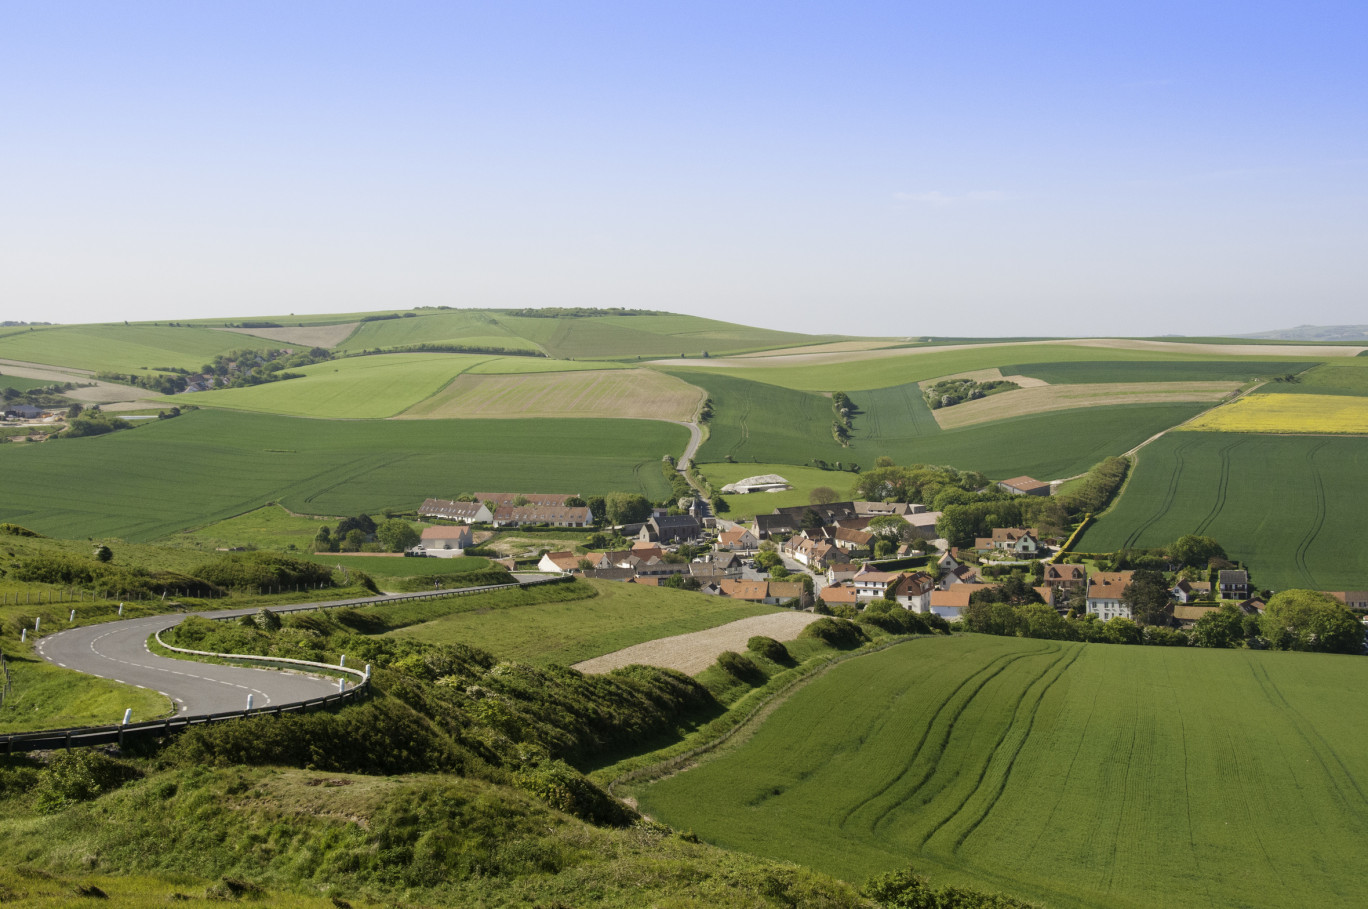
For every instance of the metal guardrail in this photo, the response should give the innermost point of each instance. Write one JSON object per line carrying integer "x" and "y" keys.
{"x": 92, "y": 736}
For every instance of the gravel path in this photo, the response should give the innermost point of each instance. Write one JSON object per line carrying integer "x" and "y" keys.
{"x": 692, "y": 653}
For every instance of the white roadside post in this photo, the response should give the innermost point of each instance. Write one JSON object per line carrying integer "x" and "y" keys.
{"x": 128, "y": 715}
{"x": 121, "y": 609}
{"x": 343, "y": 661}
{"x": 249, "y": 702}
{"x": 37, "y": 623}
{"x": 341, "y": 685}
{"x": 23, "y": 635}
{"x": 72, "y": 617}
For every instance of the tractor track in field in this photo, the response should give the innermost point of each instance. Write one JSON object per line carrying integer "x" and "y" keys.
{"x": 1174, "y": 479}
{"x": 1318, "y": 522}
{"x": 1025, "y": 736}
{"x": 1222, "y": 486}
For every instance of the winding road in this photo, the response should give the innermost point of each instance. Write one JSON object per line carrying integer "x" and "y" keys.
{"x": 119, "y": 651}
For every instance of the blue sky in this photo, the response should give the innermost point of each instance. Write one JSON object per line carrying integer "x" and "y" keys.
{"x": 868, "y": 168}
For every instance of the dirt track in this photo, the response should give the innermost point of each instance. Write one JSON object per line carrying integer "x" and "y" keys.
{"x": 692, "y": 653}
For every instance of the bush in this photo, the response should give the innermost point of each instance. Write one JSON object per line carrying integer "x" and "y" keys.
{"x": 842, "y": 634}
{"x": 78, "y": 776}
{"x": 264, "y": 569}
{"x": 770, "y": 649}
{"x": 741, "y": 668}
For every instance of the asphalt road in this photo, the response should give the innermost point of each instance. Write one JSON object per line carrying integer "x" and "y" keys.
{"x": 119, "y": 651}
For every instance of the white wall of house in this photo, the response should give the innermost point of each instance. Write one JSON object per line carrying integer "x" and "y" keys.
{"x": 1107, "y": 609}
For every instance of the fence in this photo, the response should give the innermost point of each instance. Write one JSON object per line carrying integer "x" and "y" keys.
{"x": 91, "y": 736}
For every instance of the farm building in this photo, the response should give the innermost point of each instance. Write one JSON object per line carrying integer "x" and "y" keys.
{"x": 496, "y": 499}
{"x": 554, "y": 515}
{"x": 445, "y": 542}
{"x": 769, "y": 482}
{"x": 466, "y": 512}
{"x": 1025, "y": 486}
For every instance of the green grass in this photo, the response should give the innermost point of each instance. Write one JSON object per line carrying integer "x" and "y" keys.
{"x": 126, "y": 348}
{"x": 383, "y": 567}
{"x": 1286, "y": 505}
{"x": 267, "y": 527}
{"x": 1078, "y": 775}
{"x": 205, "y": 466}
{"x": 1347, "y": 378}
{"x": 568, "y": 632}
{"x": 883, "y": 372}
{"x": 647, "y": 335}
{"x": 1087, "y": 372}
{"x": 443, "y": 327}
{"x": 355, "y": 388}
{"x": 803, "y": 480}
{"x": 19, "y": 383}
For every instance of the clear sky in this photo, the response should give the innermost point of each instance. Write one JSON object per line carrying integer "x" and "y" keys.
{"x": 965, "y": 168}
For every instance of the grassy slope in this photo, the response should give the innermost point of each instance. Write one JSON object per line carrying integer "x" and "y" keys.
{"x": 352, "y": 388}
{"x": 1283, "y": 504}
{"x": 383, "y": 567}
{"x": 125, "y": 348}
{"x": 19, "y": 383}
{"x": 204, "y": 466}
{"x": 803, "y": 480}
{"x": 446, "y": 327}
{"x": 635, "y": 336}
{"x": 1082, "y": 775}
{"x": 1347, "y": 378}
{"x": 620, "y": 616}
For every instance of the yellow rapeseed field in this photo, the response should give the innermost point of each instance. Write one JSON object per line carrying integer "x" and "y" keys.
{"x": 1288, "y": 413}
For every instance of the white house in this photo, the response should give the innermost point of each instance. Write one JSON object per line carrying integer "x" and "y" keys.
{"x": 445, "y": 542}
{"x": 1104, "y": 594}
{"x": 913, "y": 591}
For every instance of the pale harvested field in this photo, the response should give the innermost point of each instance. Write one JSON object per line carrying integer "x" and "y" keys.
{"x": 987, "y": 375}
{"x": 102, "y": 393}
{"x": 1287, "y": 414}
{"x": 692, "y": 653}
{"x": 832, "y": 347}
{"x": 1173, "y": 347}
{"x": 303, "y": 335}
{"x": 1068, "y": 397}
{"x": 632, "y": 393}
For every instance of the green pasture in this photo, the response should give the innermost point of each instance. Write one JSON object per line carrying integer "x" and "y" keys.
{"x": 383, "y": 566}
{"x": 458, "y": 326}
{"x": 20, "y": 383}
{"x": 125, "y": 348}
{"x": 669, "y": 334}
{"x": 355, "y": 388}
{"x": 208, "y": 465}
{"x": 1086, "y": 372}
{"x": 267, "y": 527}
{"x": 803, "y": 480}
{"x": 517, "y": 365}
{"x": 757, "y": 423}
{"x": 1072, "y": 774}
{"x": 1348, "y": 377}
{"x": 856, "y": 374}
{"x": 1288, "y": 506}
{"x": 567, "y": 632}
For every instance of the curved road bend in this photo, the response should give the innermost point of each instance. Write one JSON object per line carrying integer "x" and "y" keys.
{"x": 119, "y": 651}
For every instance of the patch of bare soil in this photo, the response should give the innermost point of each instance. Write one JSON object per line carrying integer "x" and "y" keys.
{"x": 303, "y": 335}
{"x": 692, "y": 653}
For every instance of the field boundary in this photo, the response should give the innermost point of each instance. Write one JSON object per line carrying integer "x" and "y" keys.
{"x": 767, "y": 703}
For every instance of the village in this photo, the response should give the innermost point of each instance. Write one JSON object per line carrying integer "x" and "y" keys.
{"x": 839, "y": 557}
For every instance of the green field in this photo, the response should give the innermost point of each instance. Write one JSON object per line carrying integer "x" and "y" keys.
{"x": 20, "y": 383}
{"x": 1088, "y": 372}
{"x": 886, "y": 371}
{"x": 456, "y": 327}
{"x": 803, "y": 480}
{"x": 125, "y": 348}
{"x": 355, "y": 388}
{"x": 1077, "y": 775}
{"x": 1286, "y": 505}
{"x": 1347, "y": 378}
{"x": 568, "y": 632}
{"x": 764, "y": 424}
{"x": 267, "y": 527}
{"x": 205, "y": 466}
{"x": 382, "y": 567}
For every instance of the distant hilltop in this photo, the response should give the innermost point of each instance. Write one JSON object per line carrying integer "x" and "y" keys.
{"x": 1314, "y": 333}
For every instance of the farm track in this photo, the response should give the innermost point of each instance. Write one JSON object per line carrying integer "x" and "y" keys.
{"x": 1222, "y": 485}
{"x": 1318, "y": 521}
{"x": 1174, "y": 479}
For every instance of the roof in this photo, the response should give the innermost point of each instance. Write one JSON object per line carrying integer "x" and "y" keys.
{"x": 876, "y": 577}
{"x": 786, "y": 590}
{"x": 858, "y": 537}
{"x": 444, "y": 533}
{"x": 1023, "y": 483}
{"x": 565, "y": 561}
{"x": 541, "y": 514}
{"x": 1108, "y": 584}
{"x": 533, "y": 498}
{"x": 956, "y": 597}
{"x": 914, "y": 584}
{"x": 448, "y": 508}
{"x": 1234, "y": 577}
{"x": 1194, "y": 585}
{"x": 838, "y": 594}
{"x": 734, "y": 535}
{"x": 878, "y": 508}
{"x": 745, "y": 590}
{"x": 1065, "y": 573}
{"x": 681, "y": 521}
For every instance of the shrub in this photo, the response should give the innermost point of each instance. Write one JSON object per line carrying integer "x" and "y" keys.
{"x": 741, "y": 668}
{"x": 78, "y": 776}
{"x": 770, "y": 649}
{"x": 264, "y": 569}
{"x": 842, "y": 634}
